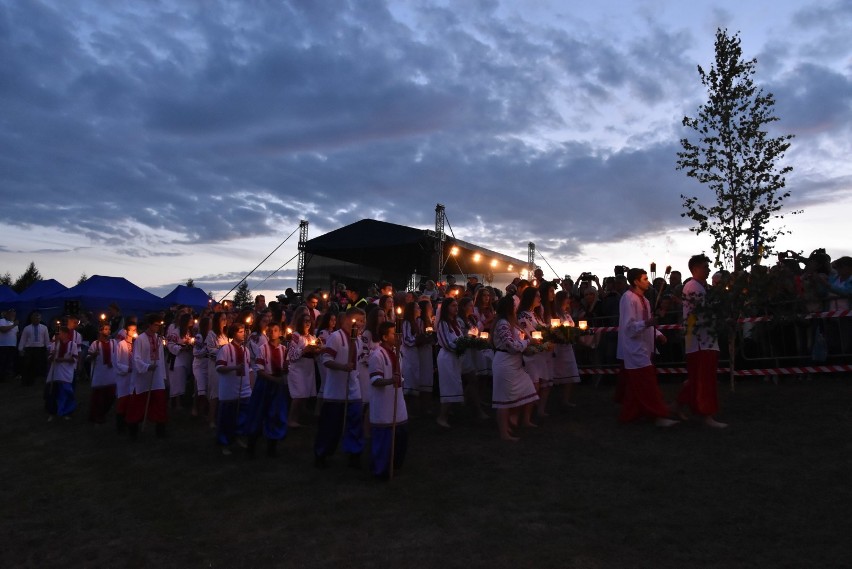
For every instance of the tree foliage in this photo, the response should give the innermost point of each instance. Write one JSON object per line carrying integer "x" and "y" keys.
{"x": 6, "y": 279}
{"x": 83, "y": 278}
{"x": 190, "y": 283}
{"x": 735, "y": 156}
{"x": 243, "y": 299}
{"x": 26, "y": 279}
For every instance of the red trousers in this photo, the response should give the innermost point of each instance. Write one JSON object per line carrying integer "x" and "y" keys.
{"x": 100, "y": 402}
{"x": 700, "y": 391}
{"x": 157, "y": 407}
{"x": 641, "y": 396}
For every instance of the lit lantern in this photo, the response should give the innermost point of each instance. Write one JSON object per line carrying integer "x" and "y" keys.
{"x": 583, "y": 325}
{"x": 483, "y": 335}
{"x": 555, "y": 322}
{"x": 536, "y": 335}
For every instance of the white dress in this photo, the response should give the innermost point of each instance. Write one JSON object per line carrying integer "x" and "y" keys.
{"x": 535, "y": 364}
{"x": 449, "y": 364}
{"x": 512, "y": 385}
{"x": 564, "y": 362}
{"x": 301, "y": 377}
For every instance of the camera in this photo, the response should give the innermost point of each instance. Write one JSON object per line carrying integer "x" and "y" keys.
{"x": 586, "y": 277}
{"x": 620, "y": 270}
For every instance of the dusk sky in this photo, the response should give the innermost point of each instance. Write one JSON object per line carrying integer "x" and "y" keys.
{"x": 161, "y": 141}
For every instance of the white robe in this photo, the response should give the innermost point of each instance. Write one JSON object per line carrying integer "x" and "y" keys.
{"x": 382, "y": 396}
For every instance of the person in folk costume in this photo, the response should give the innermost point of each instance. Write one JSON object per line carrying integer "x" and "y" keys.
{"x": 370, "y": 340}
{"x": 267, "y": 413}
{"x": 544, "y": 314}
{"x": 148, "y": 380}
{"x": 535, "y": 363}
{"x": 236, "y": 379}
{"x": 449, "y": 363}
{"x": 102, "y": 355}
{"x": 59, "y": 392}
{"x": 385, "y": 303}
{"x": 179, "y": 343}
{"x": 312, "y": 303}
{"x": 215, "y": 339}
{"x": 426, "y": 355}
{"x": 483, "y": 309}
{"x": 302, "y": 351}
{"x": 259, "y": 327}
{"x": 201, "y": 368}
{"x": 73, "y": 323}
{"x": 699, "y": 391}
{"x": 470, "y": 327}
{"x": 32, "y": 347}
{"x": 565, "y": 370}
{"x": 641, "y": 396}
{"x": 388, "y": 413}
{"x": 342, "y": 393}
{"x": 123, "y": 364}
{"x": 409, "y": 358}
{"x": 326, "y": 325}
{"x": 513, "y": 387}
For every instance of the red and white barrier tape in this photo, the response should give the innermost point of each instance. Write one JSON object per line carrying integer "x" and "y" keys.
{"x": 740, "y": 372}
{"x": 794, "y": 370}
{"x": 829, "y": 314}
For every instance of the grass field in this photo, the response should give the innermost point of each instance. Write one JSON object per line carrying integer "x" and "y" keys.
{"x": 773, "y": 490}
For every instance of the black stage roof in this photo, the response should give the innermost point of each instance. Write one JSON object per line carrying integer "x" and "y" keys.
{"x": 402, "y": 249}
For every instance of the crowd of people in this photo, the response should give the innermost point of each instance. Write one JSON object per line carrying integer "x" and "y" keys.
{"x": 360, "y": 362}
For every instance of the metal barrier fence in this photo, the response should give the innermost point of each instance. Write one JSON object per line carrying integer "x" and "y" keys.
{"x": 819, "y": 342}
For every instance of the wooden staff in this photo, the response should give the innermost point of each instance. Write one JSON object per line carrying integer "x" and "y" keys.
{"x": 654, "y": 313}
{"x": 150, "y": 387}
{"x": 395, "y": 373}
{"x": 353, "y": 339}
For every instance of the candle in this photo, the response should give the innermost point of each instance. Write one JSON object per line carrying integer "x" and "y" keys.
{"x": 483, "y": 335}
{"x": 429, "y": 329}
{"x": 289, "y": 330}
{"x": 248, "y": 319}
{"x": 135, "y": 335}
{"x": 325, "y": 296}
{"x": 103, "y": 316}
{"x": 555, "y": 322}
{"x": 192, "y": 340}
{"x": 312, "y": 341}
{"x": 583, "y": 325}
{"x": 536, "y": 335}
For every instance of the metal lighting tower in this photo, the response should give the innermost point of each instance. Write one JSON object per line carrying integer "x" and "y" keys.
{"x": 530, "y": 258}
{"x": 440, "y": 237}
{"x": 303, "y": 238}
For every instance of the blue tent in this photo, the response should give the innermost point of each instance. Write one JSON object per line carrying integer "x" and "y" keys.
{"x": 35, "y": 297}
{"x": 188, "y": 295}
{"x": 7, "y": 296}
{"x": 97, "y": 292}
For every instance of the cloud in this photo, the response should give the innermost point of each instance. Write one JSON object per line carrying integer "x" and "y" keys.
{"x": 203, "y": 123}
